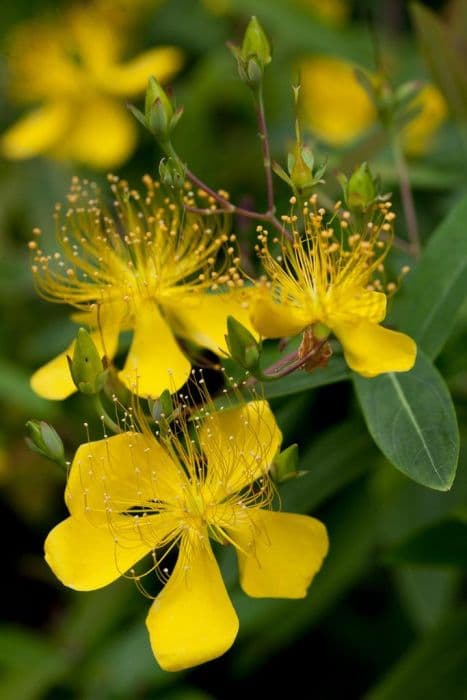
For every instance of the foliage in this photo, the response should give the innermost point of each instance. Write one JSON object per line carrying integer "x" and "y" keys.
{"x": 381, "y": 460}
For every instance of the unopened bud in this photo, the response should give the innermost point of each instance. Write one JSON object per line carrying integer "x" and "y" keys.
{"x": 86, "y": 367}
{"x": 242, "y": 345}
{"x": 253, "y": 55}
{"x": 285, "y": 465}
{"x": 255, "y": 44}
{"x": 162, "y": 407}
{"x": 361, "y": 191}
{"x": 172, "y": 173}
{"x": 159, "y": 117}
{"x": 44, "y": 439}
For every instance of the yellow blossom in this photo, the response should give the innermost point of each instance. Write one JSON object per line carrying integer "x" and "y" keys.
{"x": 335, "y": 106}
{"x": 133, "y": 495}
{"x": 148, "y": 267}
{"x": 72, "y": 69}
{"x": 326, "y": 281}
{"x": 417, "y": 135}
{"x": 338, "y": 109}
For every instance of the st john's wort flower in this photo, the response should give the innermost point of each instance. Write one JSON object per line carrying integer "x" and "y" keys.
{"x": 149, "y": 267}
{"x": 72, "y": 70}
{"x": 326, "y": 280}
{"x": 134, "y": 495}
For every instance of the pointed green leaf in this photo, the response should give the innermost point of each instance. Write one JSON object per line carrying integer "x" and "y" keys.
{"x": 411, "y": 418}
{"x": 437, "y": 287}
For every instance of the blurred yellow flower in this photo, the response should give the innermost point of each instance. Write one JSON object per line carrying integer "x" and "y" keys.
{"x": 332, "y": 12}
{"x": 335, "y": 106}
{"x": 149, "y": 267}
{"x": 418, "y": 134}
{"x": 71, "y": 68}
{"x": 338, "y": 110}
{"x": 130, "y": 496}
{"x": 323, "y": 283}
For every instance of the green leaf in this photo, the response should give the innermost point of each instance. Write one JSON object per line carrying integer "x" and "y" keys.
{"x": 300, "y": 380}
{"x": 411, "y": 418}
{"x": 441, "y": 544}
{"x": 435, "y": 668}
{"x": 123, "y": 666}
{"x": 428, "y": 594}
{"x": 436, "y": 289}
{"x": 337, "y": 457}
{"x": 30, "y": 664}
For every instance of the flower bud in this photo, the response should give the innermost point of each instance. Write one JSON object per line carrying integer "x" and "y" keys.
{"x": 255, "y": 44}
{"x": 159, "y": 117}
{"x": 253, "y": 55}
{"x": 172, "y": 173}
{"x": 285, "y": 465}
{"x": 162, "y": 407}
{"x": 86, "y": 367}
{"x": 242, "y": 345}
{"x": 44, "y": 439}
{"x": 360, "y": 189}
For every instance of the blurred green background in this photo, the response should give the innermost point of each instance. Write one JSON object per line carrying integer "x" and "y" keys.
{"x": 387, "y": 617}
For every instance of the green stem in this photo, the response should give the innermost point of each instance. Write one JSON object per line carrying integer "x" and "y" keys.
{"x": 104, "y": 416}
{"x": 408, "y": 204}
{"x": 264, "y": 137}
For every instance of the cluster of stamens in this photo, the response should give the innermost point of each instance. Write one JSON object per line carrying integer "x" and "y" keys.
{"x": 145, "y": 246}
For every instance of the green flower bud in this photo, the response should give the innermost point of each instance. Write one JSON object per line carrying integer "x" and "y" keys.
{"x": 44, "y": 439}
{"x": 162, "y": 407}
{"x": 360, "y": 189}
{"x": 155, "y": 92}
{"x": 242, "y": 345}
{"x": 285, "y": 465}
{"x": 86, "y": 367}
{"x": 253, "y": 55}
{"x": 254, "y": 71}
{"x": 172, "y": 173}
{"x": 255, "y": 44}
{"x": 158, "y": 121}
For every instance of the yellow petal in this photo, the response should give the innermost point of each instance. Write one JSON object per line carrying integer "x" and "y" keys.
{"x": 192, "y": 620}
{"x": 364, "y": 304}
{"x": 155, "y": 361}
{"x": 239, "y": 444}
{"x": 37, "y": 132}
{"x": 370, "y": 349}
{"x": 131, "y": 78}
{"x": 335, "y": 106}
{"x": 53, "y": 380}
{"x": 284, "y": 552}
{"x": 202, "y": 318}
{"x": 277, "y": 320}
{"x": 85, "y": 557}
{"x": 116, "y": 474}
{"x": 103, "y": 134}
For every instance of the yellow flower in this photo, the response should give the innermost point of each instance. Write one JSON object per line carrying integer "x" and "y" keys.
{"x": 335, "y": 13}
{"x": 72, "y": 69}
{"x": 130, "y": 496}
{"x": 338, "y": 110}
{"x": 335, "y": 106}
{"x": 418, "y": 134}
{"x": 148, "y": 267}
{"x": 327, "y": 279}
